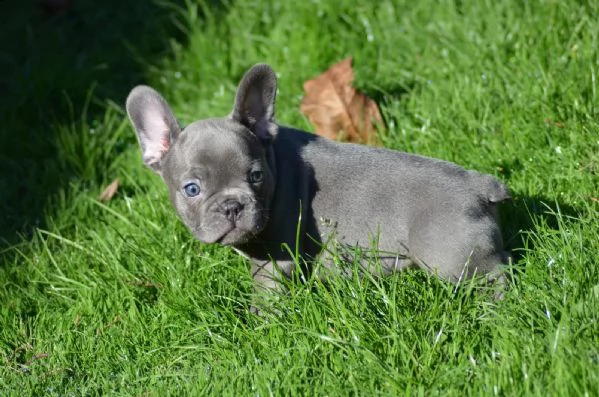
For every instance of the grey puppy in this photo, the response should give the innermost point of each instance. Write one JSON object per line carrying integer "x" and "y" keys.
{"x": 269, "y": 191}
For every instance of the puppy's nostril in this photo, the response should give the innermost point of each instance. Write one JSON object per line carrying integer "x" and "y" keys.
{"x": 232, "y": 208}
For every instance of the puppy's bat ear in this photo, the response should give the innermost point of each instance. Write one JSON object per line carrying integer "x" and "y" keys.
{"x": 255, "y": 102}
{"x": 154, "y": 123}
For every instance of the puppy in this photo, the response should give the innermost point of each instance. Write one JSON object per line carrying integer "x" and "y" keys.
{"x": 271, "y": 191}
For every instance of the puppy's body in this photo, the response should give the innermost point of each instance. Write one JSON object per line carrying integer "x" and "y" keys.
{"x": 269, "y": 190}
{"x": 417, "y": 210}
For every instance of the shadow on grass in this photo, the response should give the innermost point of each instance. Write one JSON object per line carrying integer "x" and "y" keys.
{"x": 57, "y": 68}
{"x": 518, "y": 216}
{"x": 521, "y": 216}
{"x": 383, "y": 96}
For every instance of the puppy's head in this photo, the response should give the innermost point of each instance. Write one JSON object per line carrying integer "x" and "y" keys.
{"x": 219, "y": 172}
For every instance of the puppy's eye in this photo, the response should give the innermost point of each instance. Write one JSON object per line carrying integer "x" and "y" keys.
{"x": 256, "y": 176}
{"x": 191, "y": 189}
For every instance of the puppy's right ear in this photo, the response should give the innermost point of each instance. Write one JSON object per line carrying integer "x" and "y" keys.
{"x": 154, "y": 123}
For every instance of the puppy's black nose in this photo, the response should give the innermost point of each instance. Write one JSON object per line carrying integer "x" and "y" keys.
{"x": 231, "y": 209}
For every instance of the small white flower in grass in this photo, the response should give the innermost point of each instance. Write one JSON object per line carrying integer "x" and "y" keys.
{"x": 550, "y": 262}
{"x": 558, "y": 149}
{"x": 547, "y": 313}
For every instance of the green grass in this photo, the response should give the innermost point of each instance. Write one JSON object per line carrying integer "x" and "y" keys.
{"x": 116, "y": 298}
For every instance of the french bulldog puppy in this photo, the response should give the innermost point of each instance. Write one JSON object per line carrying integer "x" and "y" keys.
{"x": 270, "y": 191}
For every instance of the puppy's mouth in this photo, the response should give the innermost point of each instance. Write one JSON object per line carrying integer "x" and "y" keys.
{"x": 235, "y": 236}
{"x": 228, "y": 224}
{"x": 228, "y": 238}
{"x": 232, "y": 234}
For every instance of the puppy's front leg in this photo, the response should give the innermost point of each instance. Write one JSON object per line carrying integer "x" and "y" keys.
{"x": 267, "y": 277}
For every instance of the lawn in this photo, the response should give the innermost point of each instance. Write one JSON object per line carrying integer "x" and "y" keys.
{"x": 117, "y": 298}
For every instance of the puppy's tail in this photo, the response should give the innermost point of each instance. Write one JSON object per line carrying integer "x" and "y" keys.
{"x": 495, "y": 190}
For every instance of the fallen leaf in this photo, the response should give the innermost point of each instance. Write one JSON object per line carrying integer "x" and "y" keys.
{"x": 555, "y": 123}
{"x": 36, "y": 357}
{"x": 109, "y": 191}
{"x": 337, "y": 109}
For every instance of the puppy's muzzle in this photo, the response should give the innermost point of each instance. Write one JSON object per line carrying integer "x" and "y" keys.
{"x": 231, "y": 209}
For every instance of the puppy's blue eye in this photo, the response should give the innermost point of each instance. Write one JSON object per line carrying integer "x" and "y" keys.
{"x": 191, "y": 189}
{"x": 256, "y": 176}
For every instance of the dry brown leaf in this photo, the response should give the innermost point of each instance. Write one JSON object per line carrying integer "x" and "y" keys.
{"x": 337, "y": 109}
{"x": 109, "y": 191}
{"x": 555, "y": 123}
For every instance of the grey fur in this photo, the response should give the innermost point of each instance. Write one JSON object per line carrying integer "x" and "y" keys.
{"x": 420, "y": 211}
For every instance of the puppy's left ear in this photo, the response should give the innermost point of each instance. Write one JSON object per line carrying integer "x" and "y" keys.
{"x": 255, "y": 102}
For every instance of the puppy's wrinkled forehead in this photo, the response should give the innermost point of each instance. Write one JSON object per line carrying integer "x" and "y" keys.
{"x": 217, "y": 141}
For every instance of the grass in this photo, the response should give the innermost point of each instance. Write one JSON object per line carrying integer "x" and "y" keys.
{"x": 116, "y": 298}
